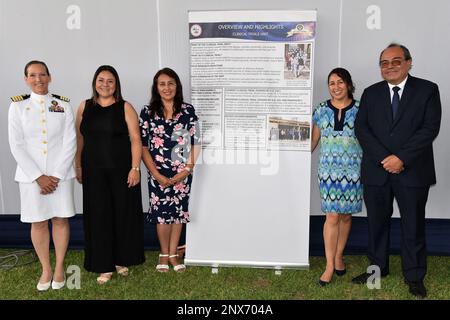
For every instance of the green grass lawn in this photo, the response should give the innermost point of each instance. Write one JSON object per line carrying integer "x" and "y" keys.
{"x": 230, "y": 283}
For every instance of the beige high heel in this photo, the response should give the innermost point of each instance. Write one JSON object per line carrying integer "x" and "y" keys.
{"x": 162, "y": 267}
{"x": 123, "y": 271}
{"x": 178, "y": 267}
{"x": 181, "y": 251}
{"x": 104, "y": 278}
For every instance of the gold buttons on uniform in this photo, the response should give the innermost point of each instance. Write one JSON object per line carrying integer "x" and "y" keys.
{"x": 45, "y": 151}
{"x": 43, "y": 126}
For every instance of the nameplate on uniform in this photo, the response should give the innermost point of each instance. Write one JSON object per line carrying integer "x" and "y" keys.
{"x": 55, "y": 107}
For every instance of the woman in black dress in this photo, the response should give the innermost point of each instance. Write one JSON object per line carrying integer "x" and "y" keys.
{"x": 107, "y": 163}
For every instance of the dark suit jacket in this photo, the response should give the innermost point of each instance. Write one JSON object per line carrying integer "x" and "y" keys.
{"x": 409, "y": 136}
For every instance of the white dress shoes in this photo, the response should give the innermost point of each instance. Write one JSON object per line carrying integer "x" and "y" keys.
{"x": 58, "y": 285}
{"x": 43, "y": 286}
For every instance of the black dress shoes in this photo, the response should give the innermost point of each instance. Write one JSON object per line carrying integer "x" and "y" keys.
{"x": 340, "y": 273}
{"x": 323, "y": 283}
{"x": 362, "y": 278}
{"x": 417, "y": 288}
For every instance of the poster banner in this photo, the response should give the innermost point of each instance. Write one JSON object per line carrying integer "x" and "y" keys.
{"x": 252, "y": 81}
{"x": 251, "y": 85}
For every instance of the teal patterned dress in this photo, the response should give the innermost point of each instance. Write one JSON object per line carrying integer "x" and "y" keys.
{"x": 340, "y": 157}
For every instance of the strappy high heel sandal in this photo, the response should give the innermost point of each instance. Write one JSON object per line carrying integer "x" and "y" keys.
{"x": 177, "y": 267}
{"x": 181, "y": 251}
{"x": 104, "y": 277}
{"x": 123, "y": 271}
{"x": 162, "y": 267}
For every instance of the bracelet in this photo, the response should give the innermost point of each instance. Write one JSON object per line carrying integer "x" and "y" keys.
{"x": 135, "y": 168}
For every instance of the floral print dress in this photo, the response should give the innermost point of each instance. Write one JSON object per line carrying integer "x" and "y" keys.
{"x": 169, "y": 143}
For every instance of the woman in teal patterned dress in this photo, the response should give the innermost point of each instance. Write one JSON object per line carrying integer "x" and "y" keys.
{"x": 340, "y": 157}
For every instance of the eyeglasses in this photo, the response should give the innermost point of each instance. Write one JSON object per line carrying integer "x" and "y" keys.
{"x": 395, "y": 63}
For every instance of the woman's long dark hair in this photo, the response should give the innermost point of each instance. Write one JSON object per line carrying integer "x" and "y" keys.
{"x": 156, "y": 105}
{"x": 117, "y": 94}
{"x": 346, "y": 77}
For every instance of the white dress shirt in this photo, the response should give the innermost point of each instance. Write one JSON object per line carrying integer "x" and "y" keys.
{"x": 401, "y": 85}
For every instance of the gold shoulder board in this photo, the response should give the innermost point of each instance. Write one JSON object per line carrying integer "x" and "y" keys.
{"x": 20, "y": 98}
{"x": 57, "y": 96}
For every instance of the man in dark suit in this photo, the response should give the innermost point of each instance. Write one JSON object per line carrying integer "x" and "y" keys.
{"x": 398, "y": 120}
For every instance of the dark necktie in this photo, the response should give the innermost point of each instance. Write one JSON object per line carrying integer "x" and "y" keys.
{"x": 395, "y": 101}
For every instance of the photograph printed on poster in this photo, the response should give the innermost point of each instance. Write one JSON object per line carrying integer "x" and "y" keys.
{"x": 288, "y": 133}
{"x": 297, "y": 61}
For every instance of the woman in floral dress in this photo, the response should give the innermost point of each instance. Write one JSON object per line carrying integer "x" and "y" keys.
{"x": 170, "y": 138}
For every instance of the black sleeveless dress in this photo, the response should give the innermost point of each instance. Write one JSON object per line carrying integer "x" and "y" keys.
{"x": 112, "y": 212}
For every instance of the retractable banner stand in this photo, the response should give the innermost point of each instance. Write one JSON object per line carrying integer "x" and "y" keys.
{"x": 251, "y": 85}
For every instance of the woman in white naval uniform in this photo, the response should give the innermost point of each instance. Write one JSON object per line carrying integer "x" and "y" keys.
{"x": 42, "y": 139}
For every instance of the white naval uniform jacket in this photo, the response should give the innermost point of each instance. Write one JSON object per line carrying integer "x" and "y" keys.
{"x": 42, "y": 137}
